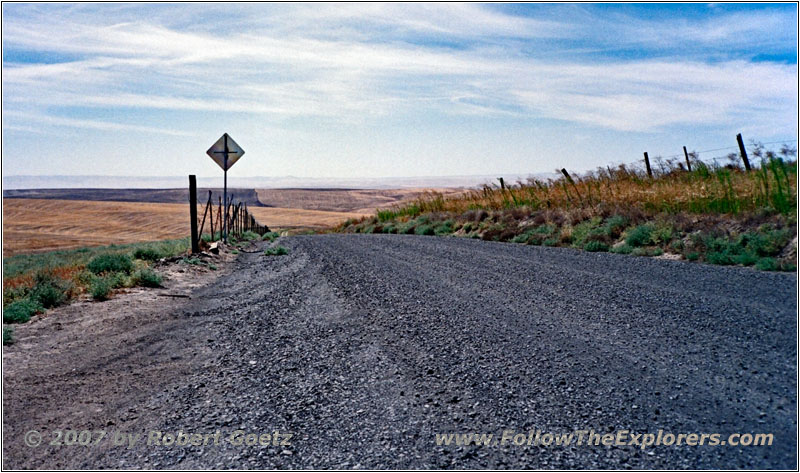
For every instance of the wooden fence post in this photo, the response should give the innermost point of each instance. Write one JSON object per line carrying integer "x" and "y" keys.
{"x": 688, "y": 164}
{"x": 743, "y": 152}
{"x": 569, "y": 178}
{"x": 211, "y": 214}
{"x": 193, "y": 211}
{"x": 647, "y": 163}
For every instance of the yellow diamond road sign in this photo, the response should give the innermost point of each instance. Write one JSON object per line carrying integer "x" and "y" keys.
{"x": 225, "y": 147}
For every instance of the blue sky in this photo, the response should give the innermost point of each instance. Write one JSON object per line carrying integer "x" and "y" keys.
{"x": 372, "y": 90}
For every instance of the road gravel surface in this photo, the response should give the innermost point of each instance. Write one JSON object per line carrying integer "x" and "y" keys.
{"x": 364, "y": 347}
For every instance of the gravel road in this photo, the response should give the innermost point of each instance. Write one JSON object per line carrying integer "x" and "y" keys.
{"x": 364, "y": 347}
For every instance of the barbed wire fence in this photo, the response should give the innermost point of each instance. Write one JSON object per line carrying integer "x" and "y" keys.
{"x": 713, "y": 158}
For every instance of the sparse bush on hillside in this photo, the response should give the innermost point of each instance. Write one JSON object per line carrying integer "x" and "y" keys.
{"x": 110, "y": 263}
{"x": 276, "y": 251}
{"x": 101, "y": 288}
{"x": 639, "y": 236}
{"x": 21, "y": 311}
{"x": 250, "y": 236}
{"x": 49, "y": 290}
{"x": 444, "y": 228}
{"x": 596, "y": 246}
{"x": 8, "y": 336}
{"x": 424, "y": 229}
{"x": 146, "y": 277}
{"x": 270, "y": 236}
{"x": 147, "y": 254}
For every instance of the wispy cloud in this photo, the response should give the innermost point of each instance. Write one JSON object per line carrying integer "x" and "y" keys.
{"x": 88, "y": 124}
{"x": 356, "y": 61}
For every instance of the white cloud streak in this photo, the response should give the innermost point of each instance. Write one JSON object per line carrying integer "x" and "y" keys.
{"x": 354, "y": 62}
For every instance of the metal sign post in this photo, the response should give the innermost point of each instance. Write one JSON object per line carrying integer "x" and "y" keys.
{"x": 225, "y": 152}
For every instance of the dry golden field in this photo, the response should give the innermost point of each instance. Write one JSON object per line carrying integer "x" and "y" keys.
{"x": 362, "y": 201}
{"x": 34, "y": 225}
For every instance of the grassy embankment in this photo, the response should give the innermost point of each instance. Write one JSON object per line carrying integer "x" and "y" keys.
{"x": 715, "y": 214}
{"x": 36, "y": 282}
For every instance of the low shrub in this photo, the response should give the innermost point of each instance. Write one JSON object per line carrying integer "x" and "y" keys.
{"x": 147, "y": 278}
{"x": 424, "y": 229}
{"x": 521, "y": 238}
{"x": 639, "y": 236}
{"x": 147, "y": 254}
{"x": 101, "y": 288}
{"x": 249, "y": 236}
{"x": 444, "y": 228}
{"x": 21, "y": 311}
{"x": 110, "y": 263}
{"x": 49, "y": 290}
{"x": 581, "y": 232}
{"x": 623, "y": 249}
{"x": 614, "y": 225}
{"x": 8, "y": 336}
{"x": 276, "y": 251}
{"x": 661, "y": 234}
{"x": 407, "y": 228}
{"x": 596, "y": 246}
{"x": 767, "y": 264}
{"x": 550, "y": 242}
{"x": 386, "y": 215}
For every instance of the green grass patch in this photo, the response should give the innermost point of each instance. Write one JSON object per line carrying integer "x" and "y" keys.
{"x": 582, "y": 231}
{"x": 110, "y": 263}
{"x": 614, "y": 225}
{"x": 550, "y": 242}
{"x": 147, "y": 254}
{"x": 21, "y": 311}
{"x": 385, "y": 215}
{"x": 424, "y": 229}
{"x": 49, "y": 290}
{"x": 444, "y": 228}
{"x": 270, "y": 236}
{"x": 249, "y": 236}
{"x": 101, "y": 288}
{"x": 596, "y": 246}
{"x": 639, "y": 236}
{"x": 146, "y": 277}
{"x": 623, "y": 249}
{"x": 29, "y": 264}
{"x": 767, "y": 264}
{"x": 276, "y": 251}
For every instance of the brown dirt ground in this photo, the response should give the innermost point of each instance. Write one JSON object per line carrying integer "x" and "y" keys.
{"x": 84, "y": 365}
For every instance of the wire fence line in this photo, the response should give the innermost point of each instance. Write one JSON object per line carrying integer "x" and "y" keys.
{"x": 663, "y": 164}
{"x": 235, "y": 218}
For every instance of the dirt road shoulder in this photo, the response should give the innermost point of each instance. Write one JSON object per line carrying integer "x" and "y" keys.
{"x": 84, "y": 365}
